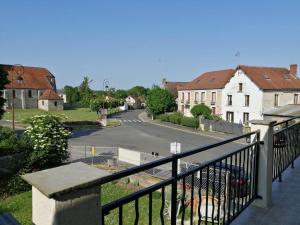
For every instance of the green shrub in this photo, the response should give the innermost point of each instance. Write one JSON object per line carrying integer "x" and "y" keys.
{"x": 202, "y": 110}
{"x": 49, "y": 139}
{"x": 190, "y": 122}
{"x": 175, "y": 118}
{"x": 163, "y": 117}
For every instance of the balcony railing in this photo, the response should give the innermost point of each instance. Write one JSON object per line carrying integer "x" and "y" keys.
{"x": 286, "y": 145}
{"x": 216, "y": 191}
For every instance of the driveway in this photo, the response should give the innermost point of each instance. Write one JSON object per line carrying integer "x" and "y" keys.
{"x": 146, "y": 137}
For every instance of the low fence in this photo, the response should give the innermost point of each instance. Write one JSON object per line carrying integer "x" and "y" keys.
{"x": 222, "y": 126}
{"x": 286, "y": 145}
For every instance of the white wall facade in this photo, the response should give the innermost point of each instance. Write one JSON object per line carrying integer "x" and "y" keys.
{"x": 238, "y": 107}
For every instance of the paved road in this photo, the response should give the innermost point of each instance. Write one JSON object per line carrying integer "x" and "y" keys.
{"x": 146, "y": 137}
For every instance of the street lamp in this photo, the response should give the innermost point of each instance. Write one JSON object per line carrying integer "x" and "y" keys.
{"x": 19, "y": 79}
{"x": 105, "y": 85}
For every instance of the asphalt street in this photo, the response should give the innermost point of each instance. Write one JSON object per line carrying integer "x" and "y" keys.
{"x": 146, "y": 137}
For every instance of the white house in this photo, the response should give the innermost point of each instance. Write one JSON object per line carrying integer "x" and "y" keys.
{"x": 242, "y": 94}
{"x": 133, "y": 102}
{"x": 254, "y": 90}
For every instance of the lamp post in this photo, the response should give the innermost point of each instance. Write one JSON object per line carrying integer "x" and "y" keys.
{"x": 19, "y": 80}
{"x": 105, "y": 85}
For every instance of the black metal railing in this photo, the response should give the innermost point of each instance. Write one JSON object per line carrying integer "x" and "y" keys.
{"x": 225, "y": 187}
{"x": 286, "y": 145}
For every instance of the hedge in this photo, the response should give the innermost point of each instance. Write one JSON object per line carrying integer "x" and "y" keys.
{"x": 178, "y": 118}
{"x": 190, "y": 122}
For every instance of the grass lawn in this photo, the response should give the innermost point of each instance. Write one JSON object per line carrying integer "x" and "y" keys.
{"x": 20, "y": 206}
{"x": 79, "y": 114}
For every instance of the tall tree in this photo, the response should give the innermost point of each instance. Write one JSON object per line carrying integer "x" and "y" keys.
{"x": 85, "y": 92}
{"x": 159, "y": 101}
{"x": 3, "y": 81}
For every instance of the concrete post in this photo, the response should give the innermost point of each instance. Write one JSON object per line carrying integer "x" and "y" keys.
{"x": 63, "y": 196}
{"x": 265, "y": 163}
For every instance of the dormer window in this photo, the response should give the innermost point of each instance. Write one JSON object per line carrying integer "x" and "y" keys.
{"x": 266, "y": 76}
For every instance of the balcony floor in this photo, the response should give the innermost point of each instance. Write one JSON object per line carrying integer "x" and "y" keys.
{"x": 286, "y": 203}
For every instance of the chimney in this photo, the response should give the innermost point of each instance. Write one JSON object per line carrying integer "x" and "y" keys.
{"x": 293, "y": 69}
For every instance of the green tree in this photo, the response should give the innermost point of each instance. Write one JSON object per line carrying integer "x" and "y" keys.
{"x": 72, "y": 94}
{"x": 137, "y": 91}
{"x": 159, "y": 101}
{"x": 3, "y": 82}
{"x": 85, "y": 92}
{"x": 202, "y": 110}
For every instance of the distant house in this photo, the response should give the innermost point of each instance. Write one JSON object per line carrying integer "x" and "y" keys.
{"x": 172, "y": 86}
{"x": 133, "y": 102}
{"x": 61, "y": 93}
{"x": 50, "y": 100}
{"x": 27, "y": 85}
{"x": 243, "y": 94}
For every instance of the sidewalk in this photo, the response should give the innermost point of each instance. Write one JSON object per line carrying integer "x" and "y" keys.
{"x": 217, "y": 135}
{"x": 286, "y": 203}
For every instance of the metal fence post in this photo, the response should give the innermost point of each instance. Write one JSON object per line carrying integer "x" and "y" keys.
{"x": 174, "y": 190}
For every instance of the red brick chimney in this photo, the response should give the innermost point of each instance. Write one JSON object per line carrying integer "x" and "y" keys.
{"x": 293, "y": 69}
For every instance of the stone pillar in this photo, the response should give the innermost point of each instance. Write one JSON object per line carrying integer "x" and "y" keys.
{"x": 265, "y": 162}
{"x": 64, "y": 196}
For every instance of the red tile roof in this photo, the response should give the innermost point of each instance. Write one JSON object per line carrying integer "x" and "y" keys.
{"x": 32, "y": 77}
{"x": 50, "y": 94}
{"x": 172, "y": 86}
{"x": 271, "y": 78}
{"x": 209, "y": 80}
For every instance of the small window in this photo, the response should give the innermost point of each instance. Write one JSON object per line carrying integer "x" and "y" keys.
{"x": 189, "y": 95}
{"x": 246, "y": 118}
{"x": 43, "y": 103}
{"x": 240, "y": 87}
{"x": 229, "y": 99}
{"x": 29, "y": 94}
{"x": 202, "y": 97}
{"x": 295, "y": 99}
{"x": 14, "y": 93}
{"x": 213, "y": 97}
{"x": 196, "y": 96}
{"x": 276, "y": 100}
{"x": 55, "y": 103}
{"x": 182, "y": 96}
{"x": 247, "y": 100}
{"x": 230, "y": 116}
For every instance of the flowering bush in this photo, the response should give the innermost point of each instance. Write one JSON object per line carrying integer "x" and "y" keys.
{"x": 49, "y": 140}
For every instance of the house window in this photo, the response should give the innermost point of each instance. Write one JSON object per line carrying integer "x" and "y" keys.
{"x": 229, "y": 99}
{"x": 29, "y": 94}
{"x": 213, "y": 109}
{"x": 43, "y": 103}
{"x": 247, "y": 100}
{"x": 213, "y": 97}
{"x": 240, "y": 87}
{"x": 196, "y": 97}
{"x": 295, "y": 99}
{"x": 202, "y": 97}
{"x": 182, "y": 97}
{"x": 189, "y": 95}
{"x": 276, "y": 100}
{"x": 14, "y": 93}
{"x": 55, "y": 103}
{"x": 246, "y": 118}
{"x": 230, "y": 116}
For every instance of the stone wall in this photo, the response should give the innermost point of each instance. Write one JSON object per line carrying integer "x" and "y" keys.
{"x": 50, "y": 105}
{"x": 23, "y": 99}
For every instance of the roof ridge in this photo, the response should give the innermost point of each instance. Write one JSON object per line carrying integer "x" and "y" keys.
{"x": 263, "y": 67}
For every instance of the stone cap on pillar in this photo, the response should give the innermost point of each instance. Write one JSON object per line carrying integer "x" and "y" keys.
{"x": 262, "y": 122}
{"x": 67, "y": 178}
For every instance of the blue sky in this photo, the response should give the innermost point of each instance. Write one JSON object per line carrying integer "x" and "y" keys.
{"x": 140, "y": 42}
